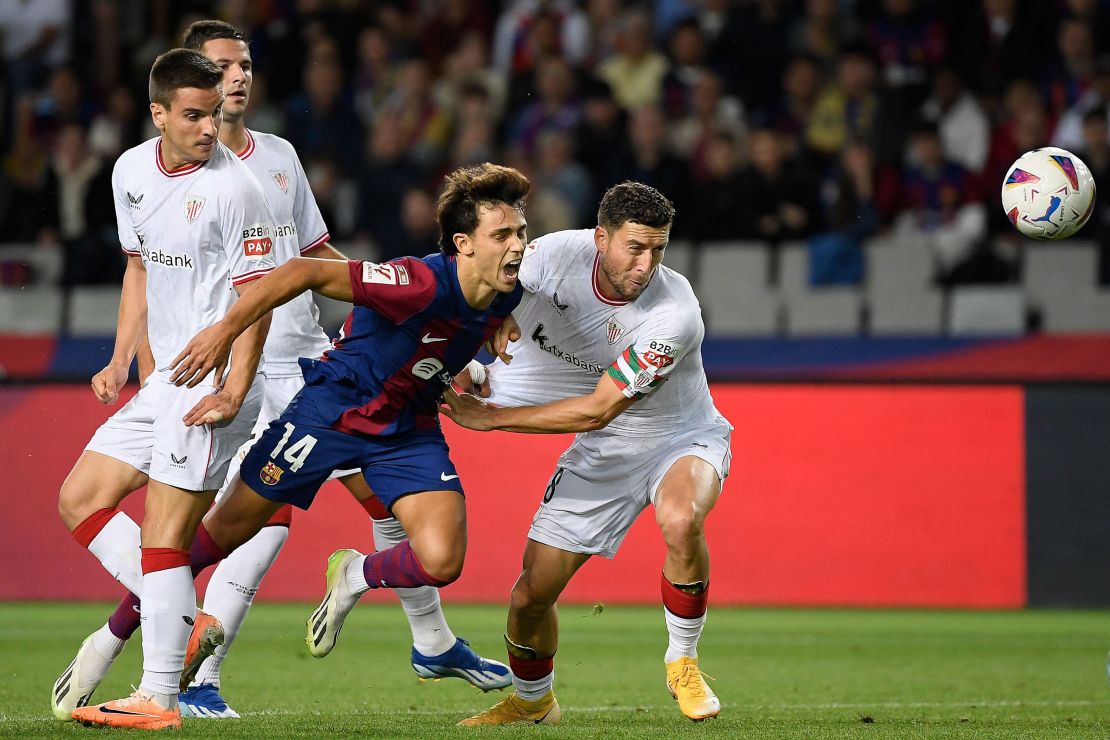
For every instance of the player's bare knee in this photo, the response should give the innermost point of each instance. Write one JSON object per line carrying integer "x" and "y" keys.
{"x": 681, "y": 524}
{"x": 527, "y": 598}
{"x": 442, "y": 563}
{"x": 75, "y": 504}
{"x": 445, "y": 571}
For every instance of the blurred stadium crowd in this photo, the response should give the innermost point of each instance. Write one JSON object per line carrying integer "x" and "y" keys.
{"x": 822, "y": 136}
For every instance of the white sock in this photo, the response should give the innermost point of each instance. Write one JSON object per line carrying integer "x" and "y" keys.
{"x": 107, "y": 645}
{"x": 117, "y": 547}
{"x": 168, "y": 598}
{"x": 232, "y": 588}
{"x": 430, "y": 633}
{"x": 532, "y": 690}
{"x": 356, "y": 579}
{"x": 682, "y": 636}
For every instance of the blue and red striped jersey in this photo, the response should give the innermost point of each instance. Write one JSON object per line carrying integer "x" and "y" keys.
{"x": 410, "y": 332}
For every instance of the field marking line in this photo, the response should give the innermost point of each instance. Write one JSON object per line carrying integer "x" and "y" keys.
{"x": 655, "y": 707}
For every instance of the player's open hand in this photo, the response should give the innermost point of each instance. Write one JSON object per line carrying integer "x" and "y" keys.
{"x": 474, "y": 380}
{"x": 217, "y": 409}
{"x": 467, "y": 411}
{"x": 106, "y": 384}
{"x": 507, "y": 332}
{"x": 207, "y": 351}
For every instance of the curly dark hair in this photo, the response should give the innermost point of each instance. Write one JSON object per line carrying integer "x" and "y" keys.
{"x": 635, "y": 202}
{"x": 200, "y": 33}
{"x": 468, "y": 188}
{"x": 179, "y": 68}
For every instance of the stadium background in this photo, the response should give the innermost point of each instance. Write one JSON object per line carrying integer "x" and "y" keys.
{"x": 920, "y": 396}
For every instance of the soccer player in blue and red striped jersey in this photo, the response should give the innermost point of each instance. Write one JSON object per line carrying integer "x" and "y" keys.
{"x": 372, "y": 401}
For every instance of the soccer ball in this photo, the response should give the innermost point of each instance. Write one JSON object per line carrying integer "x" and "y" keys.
{"x": 1048, "y": 193}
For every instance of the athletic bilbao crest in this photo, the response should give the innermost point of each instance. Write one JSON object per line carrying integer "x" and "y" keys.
{"x": 193, "y": 204}
{"x": 614, "y": 331}
{"x": 281, "y": 179}
{"x": 270, "y": 474}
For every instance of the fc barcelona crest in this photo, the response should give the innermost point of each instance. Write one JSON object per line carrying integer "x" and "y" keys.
{"x": 281, "y": 179}
{"x": 270, "y": 474}
{"x": 193, "y": 204}
{"x": 614, "y": 331}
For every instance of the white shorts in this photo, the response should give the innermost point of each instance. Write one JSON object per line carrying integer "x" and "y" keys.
{"x": 279, "y": 392}
{"x": 589, "y": 511}
{"x": 148, "y": 434}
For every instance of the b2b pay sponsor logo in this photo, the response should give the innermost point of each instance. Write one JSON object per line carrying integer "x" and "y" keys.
{"x": 257, "y": 240}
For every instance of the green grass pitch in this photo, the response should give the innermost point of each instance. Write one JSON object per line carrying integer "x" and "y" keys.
{"x": 779, "y": 673}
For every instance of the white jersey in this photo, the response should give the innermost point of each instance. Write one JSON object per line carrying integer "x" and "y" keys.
{"x": 200, "y": 230}
{"x": 571, "y": 335}
{"x": 295, "y": 330}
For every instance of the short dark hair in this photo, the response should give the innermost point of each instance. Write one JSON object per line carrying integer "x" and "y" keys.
{"x": 179, "y": 68}
{"x": 635, "y": 202}
{"x": 200, "y": 33}
{"x": 468, "y": 188}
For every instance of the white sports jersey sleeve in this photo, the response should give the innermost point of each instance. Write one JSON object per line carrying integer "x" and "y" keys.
{"x": 659, "y": 346}
{"x": 312, "y": 232}
{"x": 544, "y": 257}
{"x": 248, "y": 234}
{"x": 128, "y": 237}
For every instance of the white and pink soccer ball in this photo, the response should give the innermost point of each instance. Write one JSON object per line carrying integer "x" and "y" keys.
{"x": 1048, "y": 193}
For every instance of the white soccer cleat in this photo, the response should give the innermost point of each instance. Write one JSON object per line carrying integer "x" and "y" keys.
{"x": 325, "y": 623}
{"x": 79, "y": 680}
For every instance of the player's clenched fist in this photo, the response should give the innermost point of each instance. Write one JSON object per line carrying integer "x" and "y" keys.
{"x": 207, "y": 351}
{"x": 107, "y": 383}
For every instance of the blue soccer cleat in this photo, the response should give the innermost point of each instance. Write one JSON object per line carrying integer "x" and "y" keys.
{"x": 462, "y": 662}
{"x": 204, "y": 701}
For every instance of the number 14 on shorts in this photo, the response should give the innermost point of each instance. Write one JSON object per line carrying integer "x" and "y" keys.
{"x": 298, "y": 452}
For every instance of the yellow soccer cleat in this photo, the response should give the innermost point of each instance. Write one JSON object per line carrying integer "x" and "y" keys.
{"x": 687, "y": 685}
{"x": 138, "y": 712}
{"x": 516, "y": 711}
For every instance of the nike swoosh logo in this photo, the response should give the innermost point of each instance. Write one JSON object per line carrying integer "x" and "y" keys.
{"x": 106, "y": 710}
{"x": 428, "y": 339}
{"x": 444, "y": 476}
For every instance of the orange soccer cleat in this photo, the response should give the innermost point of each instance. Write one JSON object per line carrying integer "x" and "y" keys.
{"x": 207, "y": 635}
{"x": 138, "y": 712}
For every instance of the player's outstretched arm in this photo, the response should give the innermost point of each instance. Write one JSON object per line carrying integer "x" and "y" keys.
{"x": 130, "y": 326}
{"x": 578, "y": 414}
{"x": 209, "y": 349}
{"x": 224, "y": 404}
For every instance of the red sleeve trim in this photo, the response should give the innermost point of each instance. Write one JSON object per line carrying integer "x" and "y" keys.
{"x": 136, "y": 253}
{"x": 316, "y": 244}
{"x": 249, "y": 276}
